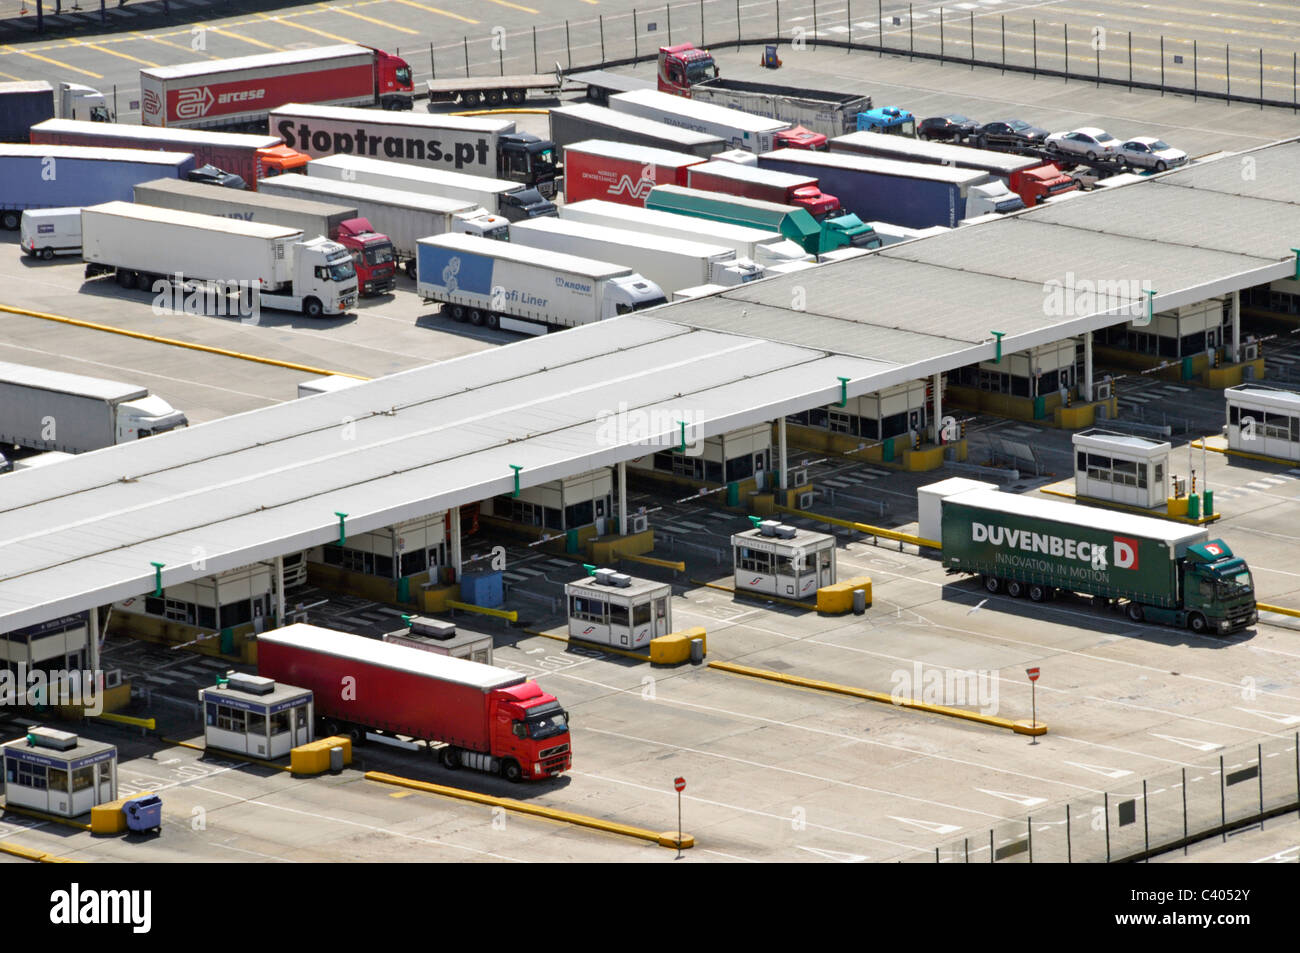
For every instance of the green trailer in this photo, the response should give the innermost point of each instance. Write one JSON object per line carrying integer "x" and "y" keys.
{"x": 796, "y": 224}
{"x": 1163, "y": 571}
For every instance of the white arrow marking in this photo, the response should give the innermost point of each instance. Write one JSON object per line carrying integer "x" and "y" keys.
{"x": 1104, "y": 772}
{"x": 1189, "y": 742}
{"x": 977, "y": 607}
{"x": 1021, "y": 799}
{"x": 1277, "y": 716}
{"x": 838, "y": 855}
{"x": 928, "y": 825}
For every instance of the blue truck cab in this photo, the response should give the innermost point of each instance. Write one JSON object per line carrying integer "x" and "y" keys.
{"x": 892, "y": 120}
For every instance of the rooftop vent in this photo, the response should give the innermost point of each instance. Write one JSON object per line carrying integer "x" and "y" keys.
{"x": 768, "y": 527}
{"x": 605, "y": 576}
{"x": 786, "y": 532}
{"x": 250, "y": 684}
{"x": 433, "y": 628}
{"x": 51, "y": 738}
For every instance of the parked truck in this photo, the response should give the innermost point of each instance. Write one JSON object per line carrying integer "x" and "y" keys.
{"x": 577, "y": 122}
{"x": 888, "y": 121}
{"x": 405, "y": 217}
{"x": 765, "y": 249}
{"x": 740, "y": 130}
{"x": 46, "y": 232}
{"x": 480, "y": 716}
{"x": 905, "y": 193}
{"x": 507, "y": 199}
{"x": 241, "y": 92}
{"x": 371, "y": 251}
{"x": 24, "y": 104}
{"x": 1163, "y": 571}
{"x": 474, "y": 145}
{"x": 518, "y": 288}
{"x": 671, "y": 263}
{"x": 66, "y": 176}
{"x": 795, "y": 223}
{"x": 687, "y": 71}
{"x": 1030, "y": 178}
{"x": 600, "y": 169}
{"x": 252, "y": 158}
{"x": 142, "y": 246}
{"x": 494, "y": 90}
{"x": 767, "y": 185}
{"x": 53, "y": 410}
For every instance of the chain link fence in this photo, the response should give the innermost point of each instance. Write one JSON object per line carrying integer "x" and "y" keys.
{"x": 1241, "y": 787}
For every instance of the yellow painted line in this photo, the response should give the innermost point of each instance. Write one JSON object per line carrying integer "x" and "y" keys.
{"x": 762, "y": 596}
{"x": 666, "y": 839}
{"x": 128, "y": 720}
{"x": 401, "y": 794}
{"x": 1281, "y": 610}
{"x": 865, "y": 528}
{"x": 46, "y": 59}
{"x": 310, "y": 29}
{"x": 1019, "y": 727}
{"x": 362, "y": 16}
{"x": 1111, "y": 504}
{"x": 125, "y": 56}
{"x": 34, "y": 854}
{"x": 236, "y": 36}
{"x": 583, "y": 643}
{"x": 175, "y": 46}
{"x": 10, "y": 76}
{"x": 510, "y": 614}
{"x": 41, "y": 815}
{"x": 514, "y": 6}
{"x": 421, "y": 6}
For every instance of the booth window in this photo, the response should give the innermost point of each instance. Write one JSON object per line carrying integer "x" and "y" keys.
{"x": 30, "y": 776}
{"x": 230, "y": 719}
{"x": 83, "y": 778}
{"x": 415, "y": 562}
{"x": 618, "y": 614}
{"x": 751, "y": 561}
{"x": 641, "y": 613}
{"x": 661, "y": 608}
{"x": 280, "y": 722}
{"x": 579, "y": 514}
{"x": 105, "y": 772}
{"x": 300, "y": 720}
{"x": 255, "y": 724}
{"x": 58, "y": 780}
{"x": 588, "y": 610}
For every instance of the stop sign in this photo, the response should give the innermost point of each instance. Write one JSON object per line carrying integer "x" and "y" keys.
{"x": 679, "y": 784}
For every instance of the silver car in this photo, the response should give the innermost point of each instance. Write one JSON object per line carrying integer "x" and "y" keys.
{"x": 1146, "y": 152}
{"x": 1088, "y": 142}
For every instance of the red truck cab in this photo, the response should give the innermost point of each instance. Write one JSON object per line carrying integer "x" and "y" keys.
{"x": 530, "y": 728}
{"x": 279, "y": 160}
{"x": 682, "y": 66}
{"x": 393, "y": 85}
{"x": 372, "y": 254}
{"x": 1034, "y": 185}
{"x": 799, "y": 137}
{"x": 818, "y": 203}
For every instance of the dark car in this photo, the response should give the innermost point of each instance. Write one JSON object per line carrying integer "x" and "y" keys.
{"x": 1008, "y": 135}
{"x": 953, "y": 126}
{"x": 211, "y": 175}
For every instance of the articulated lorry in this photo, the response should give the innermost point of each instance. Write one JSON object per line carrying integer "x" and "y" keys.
{"x": 51, "y": 410}
{"x": 690, "y": 72}
{"x": 143, "y": 246}
{"x": 739, "y": 130}
{"x": 671, "y": 263}
{"x": 578, "y": 122}
{"x": 252, "y": 158}
{"x": 239, "y": 93}
{"x": 473, "y": 145}
{"x": 507, "y": 199}
{"x": 405, "y": 217}
{"x": 24, "y": 104}
{"x": 33, "y": 177}
{"x": 795, "y": 223}
{"x": 1030, "y": 178}
{"x": 1163, "y": 571}
{"x": 765, "y": 249}
{"x": 517, "y": 288}
{"x": 372, "y": 252}
{"x": 905, "y": 193}
{"x": 480, "y": 716}
{"x": 767, "y": 185}
{"x": 617, "y": 172}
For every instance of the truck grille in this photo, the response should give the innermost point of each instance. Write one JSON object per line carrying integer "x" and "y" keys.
{"x": 552, "y": 752}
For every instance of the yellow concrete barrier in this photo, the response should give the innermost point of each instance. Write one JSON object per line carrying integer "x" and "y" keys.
{"x": 1019, "y": 727}
{"x": 668, "y": 839}
{"x": 128, "y": 720}
{"x": 314, "y": 757}
{"x": 1262, "y": 607}
{"x": 675, "y": 647}
{"x": 676, "y": 565}
{"x": 509, "y": 614}
{"x": 837, "y": 598}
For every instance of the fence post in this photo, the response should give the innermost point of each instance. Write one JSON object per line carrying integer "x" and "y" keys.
{"x": 1004, "y": 44}
{"x": 1162, "y": 64}
{"x": 534, "y": 47}
{"x": 966, "y": 842}
{"x": 1195, "y": 71}
{"x": 972, "y": 40}
{"x": 465, "y": 41}
{"x": 702, "y": 43}
{"x": 993, "y": 857}
{"x": 501, "y": 61}
{"x": 1105, "y": 801}
{"x": 1146, "y": 825}
{"x": 1098, "y": 52}
{"x": 815, "y": 43}
{"x": 1261, "y": 77}
{"x": 1035, "y": 73}
{"x": 1069, "y": 848}
{"x": 911, "y": 35}
{"x": 1130, "y": 60}
{"x": 1029, "y": 825}
{"x": 602, "y": 38}
{"x": 1227, "y": 71}
{"x": 737, "y": 26}
{"x": 568, "y": 50}
{"x": 1223, "y": 803}
{"x": 941, "y": 36}
{"x": 433, "y": 66}
{"x": 1066, "y": 29}
{"x": 636, "y": 52}
{"x": 1293, "y": 109}
{"x": 778, "y": 19}
{"x": 1259, "y": 756}
{"x": 1184, "y": 812}
{"x": 668, "y": 9}
{"x": 848, "y": 23}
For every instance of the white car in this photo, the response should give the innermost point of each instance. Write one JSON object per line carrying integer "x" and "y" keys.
{"x": 1145, "y": 152}
{"x": 1088, "y": 142}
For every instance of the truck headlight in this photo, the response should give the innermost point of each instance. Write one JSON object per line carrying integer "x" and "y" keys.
{"x": 537, "y": 767}
{"x": 1224, "y": 625}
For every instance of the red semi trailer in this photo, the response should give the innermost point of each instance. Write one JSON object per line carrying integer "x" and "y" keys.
{"x": 618, "y": 172}
{"x": 241, "y": 92}
{"x": 766, "y": 185}
{"x": 486, "y": 717}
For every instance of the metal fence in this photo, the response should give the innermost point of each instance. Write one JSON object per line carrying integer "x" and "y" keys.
{"x": 1242, "y": 787}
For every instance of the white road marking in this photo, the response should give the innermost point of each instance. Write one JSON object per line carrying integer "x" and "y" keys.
{"x": 1099, "y": 769}
{"x": 931, "y": 826}
{"x": 1276, "y": 716}
{"x": 1189, "y": 742}
{"x": 1024, "y": 800}
{"x": 837, "y": 855}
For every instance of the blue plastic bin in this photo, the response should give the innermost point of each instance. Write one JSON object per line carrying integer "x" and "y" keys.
{"x": 144, "y": 813}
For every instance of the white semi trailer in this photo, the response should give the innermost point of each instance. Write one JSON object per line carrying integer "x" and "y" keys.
{"x": 671, "y": 263}
{"x": 143, "y": 245}
{"x": 405, "y": 217}
{"x": 523, "y": 289}
{"x": 53, "y": 410}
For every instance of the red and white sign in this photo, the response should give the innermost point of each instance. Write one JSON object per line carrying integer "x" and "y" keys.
{"x": 1126, "y": 553}
{"x": 680, "y": 785}
{"x": 1032, "y": 673}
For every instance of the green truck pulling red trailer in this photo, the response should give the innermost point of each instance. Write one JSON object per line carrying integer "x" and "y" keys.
{"x": 1167, "y": 572}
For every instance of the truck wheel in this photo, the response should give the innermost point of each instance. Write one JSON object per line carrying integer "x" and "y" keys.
{"x": 1015, "y": 589}
{"x": 493, "y": 97}
{"x": 493, "y": 320}
{"x": 1196, "y": 622}
{"x": 476, "y": 317}
{"x": 470, "y": 97}
{"x": 1037, "y": 593}
{"x": 517, "y": 96}
{"x": 358, "y": 736}
{"x": 992, "y": 584}
{"x": 11, "y": 220}
{"x": 511, "y": 771}
{"x": 144, "y": 281}
{"x": 312, "y": 308}
{"x": 449, "y": 758}
{"x": 1135, "y": 612}
{"x": 125, "y": 278}
{"x": 410, "y": 269}
{"x": 47, "y": 253}
{"x": 458, "y": 312}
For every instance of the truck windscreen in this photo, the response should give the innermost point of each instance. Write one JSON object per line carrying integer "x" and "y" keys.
{"x": 380, "y": 254}
{"x": 547, "y": 721}
{"x": 1235, "y": 583}
{"x": 697, "y": 71}
{"x": 342, "y": 271}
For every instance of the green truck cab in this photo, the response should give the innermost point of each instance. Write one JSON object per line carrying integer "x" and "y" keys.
{"x": 1160, "y": 570}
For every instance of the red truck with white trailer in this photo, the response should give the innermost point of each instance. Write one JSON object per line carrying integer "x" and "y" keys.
{"x": 249, "y": 157}
{"x": 486, "y": 717}
{"x": 766, "y": 185}
{"x": 618, "y": 172}
{"x": 241, "y": 92}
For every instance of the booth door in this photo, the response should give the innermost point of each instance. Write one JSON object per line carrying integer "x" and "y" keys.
{"x": 300, "y": 725}
{"x": 107, "y": 790}
{"x": 825, "y": 568}
{"x": 660, "y": 616}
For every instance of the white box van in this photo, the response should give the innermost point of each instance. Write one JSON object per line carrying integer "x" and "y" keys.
{"x": 47, "y": 232}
